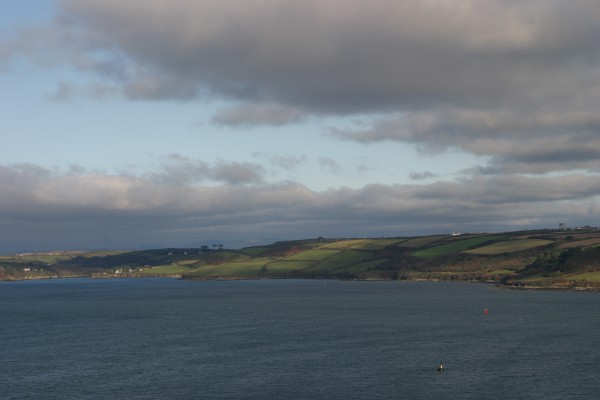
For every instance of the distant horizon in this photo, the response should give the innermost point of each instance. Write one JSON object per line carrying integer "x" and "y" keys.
{"x": 210, "y": 243}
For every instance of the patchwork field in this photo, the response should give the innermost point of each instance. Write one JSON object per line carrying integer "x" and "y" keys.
{"x": 455, "y": 246}
{"x": 509, "y": 246}
{"x": 577, "y": 243}
{"x": 531, "y": 258}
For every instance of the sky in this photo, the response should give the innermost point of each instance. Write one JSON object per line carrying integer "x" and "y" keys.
{"x": 178, "y": 123}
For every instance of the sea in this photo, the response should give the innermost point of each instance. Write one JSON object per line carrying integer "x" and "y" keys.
{"x": 294, "y": 339}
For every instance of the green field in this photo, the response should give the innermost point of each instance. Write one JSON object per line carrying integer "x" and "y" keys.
{"x": 313, "y": 255}
{"x": 376, "y": 244}
{"x": 501, "y": 272}
{"x": 588, "y": 276}
{"x": 421, "y": 241}
{"x": 103, "y": 253}
{"x": 255, "y": 251}
{"x": 342, "y": 244}
{"x": 288, "y": 266}
{"x": 364, "y": 266}
{"x": 455, "y": 246}
{"x": 509, "y": 246}
{"x": 236, "y": 269}
{"x": 39, "y": 258}
{"x": 342, "y": 260}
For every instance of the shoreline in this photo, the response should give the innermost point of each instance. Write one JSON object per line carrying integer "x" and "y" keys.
{"x": 555, "y": 287}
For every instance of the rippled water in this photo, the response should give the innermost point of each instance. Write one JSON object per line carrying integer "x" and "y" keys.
{"x": 294, "y": 339}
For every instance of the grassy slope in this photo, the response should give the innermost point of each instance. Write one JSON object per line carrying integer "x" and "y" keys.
{"x": 519, "y": 258}
{"x": 509, "y": 246}
{"x": 455, "y": 246}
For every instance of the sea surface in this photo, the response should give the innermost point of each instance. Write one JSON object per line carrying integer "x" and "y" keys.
{"x": 294, "y": 339}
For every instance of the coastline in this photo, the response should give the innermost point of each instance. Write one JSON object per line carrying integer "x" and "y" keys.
{"x": 560, "y": 288}
{"x": 564, "y": 287}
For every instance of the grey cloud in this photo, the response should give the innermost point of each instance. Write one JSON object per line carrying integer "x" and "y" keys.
{"x": 286, "y": 162}
{"x": 86, "y": 209}
{"x": 236, "y": 173}
{"x": 530, "y": 141}
{"x": 346, "y": 56}
{"x": 247, "y": 115}
{"x": 178, "y": 169}
{"x": 67, "y": 92}
{"x": 340, "y": 56}
{"x": 329, "y": 165}
{"x": 514, "y": 189}
{"x": 417, "y": 176}
{"x": 76, "y": 169}
{"x": 290, "y": 163}
{"x": 464, "y": 75}
{"x": 494, "y": 78}
{"x": 156, "y": 87}
{"x": 183, "y": 170}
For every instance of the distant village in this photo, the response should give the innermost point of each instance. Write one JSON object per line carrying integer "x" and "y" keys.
{"x": 563, "y": 227}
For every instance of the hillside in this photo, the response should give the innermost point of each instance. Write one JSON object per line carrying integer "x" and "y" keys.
{"x": 533, "y": 259}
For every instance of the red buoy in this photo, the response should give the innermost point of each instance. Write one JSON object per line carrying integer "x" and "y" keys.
{"x": 485, "y": 311}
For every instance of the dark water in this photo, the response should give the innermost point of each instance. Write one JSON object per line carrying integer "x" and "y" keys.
{"x": 294, "y": 339}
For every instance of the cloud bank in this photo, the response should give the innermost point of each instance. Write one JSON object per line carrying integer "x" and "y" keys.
{"x": 517, "y": 81}
{"x": 82, "y": 209}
